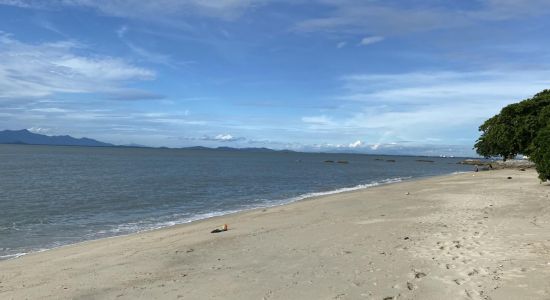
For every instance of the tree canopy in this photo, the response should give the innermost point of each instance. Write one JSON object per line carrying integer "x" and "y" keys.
{"x": 520, "y": 128}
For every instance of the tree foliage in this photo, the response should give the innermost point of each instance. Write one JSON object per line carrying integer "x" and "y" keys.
{"x": 520, "y": 128}
{"x": 541, "y": 153}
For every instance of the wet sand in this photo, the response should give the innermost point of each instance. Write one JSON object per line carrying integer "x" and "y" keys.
{"x": 464, "y": 236}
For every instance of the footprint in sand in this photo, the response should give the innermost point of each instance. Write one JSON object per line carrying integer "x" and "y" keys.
{"x": 450, "y": 266}
{"x": 459, "y": 281}
{"x": 418, "y": 274}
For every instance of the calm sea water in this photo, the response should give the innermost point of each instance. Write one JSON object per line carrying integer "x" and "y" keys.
{"x": 52, "y": 196}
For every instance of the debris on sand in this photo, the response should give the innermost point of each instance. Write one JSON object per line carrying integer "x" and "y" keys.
{"x": 220, "y": 229}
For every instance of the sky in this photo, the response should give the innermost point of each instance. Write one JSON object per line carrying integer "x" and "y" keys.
{"x": 372, "y": 76}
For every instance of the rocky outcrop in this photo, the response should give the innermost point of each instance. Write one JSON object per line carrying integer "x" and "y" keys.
{"x": 499, "y": 164}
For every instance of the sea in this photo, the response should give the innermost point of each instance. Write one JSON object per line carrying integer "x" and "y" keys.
{"x": 52, "y": 196}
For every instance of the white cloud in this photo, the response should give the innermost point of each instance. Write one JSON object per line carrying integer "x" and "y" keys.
{"x": 128, "y": 94}
{"x": 50, "y": 110}
{"x": 444, "y": 86}
{"x": 143, "y": 54}
{"x": 153, "y": 57}
{"x": 425, "y": 107}
{"x": 356, "y": 144}
{"x": 349, "y": 16}
{"x": 224, "y": 137}
{"x": 159, "y": 10}
{"x": 393, "y": 18}
{"x": 371, "y": 40}
{"x": 318, "y": 120}
{"x": 341, "y": 45}
{"x": 39, "y": 130}
{"x": 360, "y": 17}
{"x": 41, "y": 70}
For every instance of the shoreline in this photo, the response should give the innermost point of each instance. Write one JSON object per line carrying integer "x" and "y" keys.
{"x": 275, "y": 203}
{"x": 462, "y": 236}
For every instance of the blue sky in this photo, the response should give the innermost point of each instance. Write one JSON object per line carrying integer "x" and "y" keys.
{"x": 368, "y": 76}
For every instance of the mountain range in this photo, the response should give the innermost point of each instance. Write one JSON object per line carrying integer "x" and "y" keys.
{"x": 26, "y": 137}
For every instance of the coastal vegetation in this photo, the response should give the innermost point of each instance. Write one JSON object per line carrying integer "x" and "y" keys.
{"x": 520, "y": 128}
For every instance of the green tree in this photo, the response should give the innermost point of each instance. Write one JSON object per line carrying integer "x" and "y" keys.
{"x": 541, "y": 153}
{"x": 520, "y": 128}
{"x": 512, "y": 131}
{"x": 496, "y": 139}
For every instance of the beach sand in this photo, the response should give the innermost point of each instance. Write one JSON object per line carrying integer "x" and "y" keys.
{"x": 465, "y": 236}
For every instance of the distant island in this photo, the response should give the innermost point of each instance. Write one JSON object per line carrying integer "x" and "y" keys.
{"x": 25, "y": 137}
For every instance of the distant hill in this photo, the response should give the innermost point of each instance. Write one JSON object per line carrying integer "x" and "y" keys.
{"x": 26, "y": 137}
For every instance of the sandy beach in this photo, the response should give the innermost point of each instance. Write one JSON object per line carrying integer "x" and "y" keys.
{"x": 464, "y": 236}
